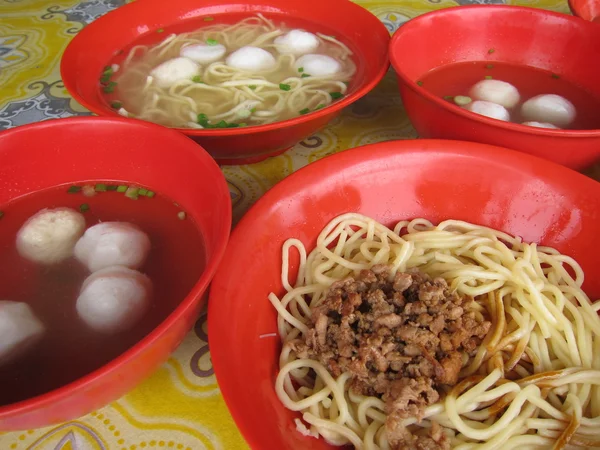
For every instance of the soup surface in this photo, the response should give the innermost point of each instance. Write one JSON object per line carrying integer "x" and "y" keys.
{"x": 69, "y": 348}
{"x": 457, "y": 80}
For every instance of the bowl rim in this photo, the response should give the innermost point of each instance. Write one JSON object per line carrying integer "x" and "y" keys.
{"x": 46, "y": 399}
{"x": 350, "y": 158}
{"x": 362, "y": 89}
{"x": 397, "y": 64}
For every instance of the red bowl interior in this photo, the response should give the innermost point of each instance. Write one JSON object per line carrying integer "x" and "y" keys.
{"x": 51, "y": 153}
{"x": 527, "y": 36}
{"x": 586, "y": 9}
{"x": 96, "y": 45}
{"x": 395, "y": 180}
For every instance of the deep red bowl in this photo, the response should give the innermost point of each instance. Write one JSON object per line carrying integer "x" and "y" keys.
{"x": 96, "y": 44}
{"x": 586, "y": 9}
{"x": 504, "y": 189}
{"x": 551, "y": 41}
{"x": 56, "y": 152}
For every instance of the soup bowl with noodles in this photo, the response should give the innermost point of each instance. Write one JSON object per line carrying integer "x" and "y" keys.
{"x": 244, "y": 82}
{"x": 414, "y": 294}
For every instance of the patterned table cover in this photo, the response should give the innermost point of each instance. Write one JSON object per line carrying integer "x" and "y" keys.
{"x": 180, "y": 406}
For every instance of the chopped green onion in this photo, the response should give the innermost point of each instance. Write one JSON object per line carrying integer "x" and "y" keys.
{"x": 304, "y": 75}
{"x": 488, "y": 77}
{"x": 132, "y": 193}
{"x": 336, "y": 95}
{"x": 243, "y": 124}
{"x": 320, "y": 106}
{"x": 491, "y": 50}
{"x": 116, "y": 105}
{"x": 108, "y": 69}
{"x": 160, "y": 30}
{"x": 74, "y": 190}
{"x": 300, "y": 69}
{"x": 197, "y": 79}
{"x": 347, "y": 83}
{"x": 304, "y": 111}
{"x": 253, "y": 110}
{"x": 150, "y": 194}
{"x": 143, "y": 192}
{"x": 284, "y": 87}
{"x": 111, "y": 187}
{"x": 420, "y": 83}
{"x": 554, "y": 75}
{"x": 212, "y": 42}
{"x": 462, "y": 100}
{"x": 489, "y": 66}
{"x": 110, "y": 87}
{"x": 181, "y": 215}
{"x": 252, "y": 86}
{"x": 84, "y": 207}
{"x": 209, "y": 19}
{"x": 448, "y": 97}
{"x": 100, "y": 187}
{"x": 121, "y": 188}
{"x": 105, "y": 78}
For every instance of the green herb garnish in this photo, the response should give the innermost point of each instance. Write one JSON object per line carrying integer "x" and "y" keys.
{"x": 320, "y": 106}
{"x": 110, "y": 87}
{"x": 252, "y": 86}
{"x": 197, "y": 79}
{"x": 304, "y": 111}
{"x": 253, "y": 110}
{"x": 143, "y": 192}
{"x": 336, "y": 95}
{"x": 150, "y": 194}
{"x": 491, "y": 50}
{"x": 284, "y": 87}
{"x": 300, "y": 69}
{"x": 84, "y": 207}
{"x": 121, "y": 188}
{"x": 132, "y": 193}
{"x": 111, "y": 187}
{"x": 212, "y": 42}
{"x": 100, "y": 187}
{"x": 462, "y": 100}
{"x": 116, "y": 105}
{"x": 420, "y": 83}
{"x": 489, "y": 66}
{"x": 243, "y": 124}
{"x": 105, "y": 78}
{"x": 556, "y": 76}
{"x": 160, "y": 30}
{"x": 304, "y": 75}
{"x": 488, "y": 77}
{"x": 74, "y": 190}
{"x": 448, "y": 97}
{"x": 209, "y": 19}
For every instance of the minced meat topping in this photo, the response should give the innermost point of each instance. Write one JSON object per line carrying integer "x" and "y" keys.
{"x": 403, "y": 339}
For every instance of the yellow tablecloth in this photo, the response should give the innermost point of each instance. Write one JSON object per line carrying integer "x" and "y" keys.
{"x": 180, "y": 406}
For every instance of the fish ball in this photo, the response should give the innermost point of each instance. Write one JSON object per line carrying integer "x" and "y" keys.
{"x": 20, "y": 329}
{"x": 489, "y": 109}
{"x": 540, "y": 125}
{"x": 496, "y": 91}
{"x": 297, "y": 42}
{"x": 174, "y": 70}
{"x": 318, "y": 65}
{"x": 549, "y": 108}
{"x": 114, "y": 299}
{"x": 203, "y": 54}
{"x": 49, "y": 236}
{"x": 113, "y": 244}
{"x": 251, "y": 59}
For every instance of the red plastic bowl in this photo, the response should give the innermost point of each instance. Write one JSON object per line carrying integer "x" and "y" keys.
{"x": 96, "y": 44}
{"x": 510, "y": 191}
{"x": 555, "y": 42}
{"x": 586, "y": 9}
{"x": 39, "y": 156}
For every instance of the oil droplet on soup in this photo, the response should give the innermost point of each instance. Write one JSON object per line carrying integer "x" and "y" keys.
{"x": 458, "y": 80}
{"x": 70, "y": 348}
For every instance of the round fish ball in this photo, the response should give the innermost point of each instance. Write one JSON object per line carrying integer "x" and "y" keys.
{"x": 203, "y": 54}
{"x": 49, "y": 236}
{"x": 541, "y": 125}
{"x": 20, "y": 329}
{"x": 112, "y": 244}
{"x": 489, "y": 109}
{"x": 297, "y": 42}
{"x": 549, "y": 108}
{"x": 174, "y": 70}
{"x": 496, "y": 91}
{"x": 318, "y": 65}
{"x": 251, "y": 59}
{"x": 114, "y": 299}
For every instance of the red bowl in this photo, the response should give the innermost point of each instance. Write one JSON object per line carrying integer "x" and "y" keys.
{"x": 97, "y": 44}
{"x": 51, "y": 153}
{"x": 390, "y": 181}
{"x": 586, "y": 9}
{"x": 551, "y": 41}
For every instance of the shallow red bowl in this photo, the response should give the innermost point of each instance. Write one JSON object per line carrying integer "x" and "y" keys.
{"x": 96, "y": 45}
{"x": 546, "y": 40}
{"x": 586, "y": 9}
{"x": 51, "y": 153}
{"x": 504, "y": 189}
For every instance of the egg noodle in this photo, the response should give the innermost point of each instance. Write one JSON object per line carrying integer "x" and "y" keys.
{"x": 225, "y": 93}
{"x": 534, "y": 383}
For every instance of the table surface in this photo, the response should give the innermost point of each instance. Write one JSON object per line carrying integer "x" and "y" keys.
{"x": 180, "y": 406}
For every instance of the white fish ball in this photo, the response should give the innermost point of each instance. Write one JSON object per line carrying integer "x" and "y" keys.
{"x": 49, "y": 236}
{"x": 203, "y": 54}
{"x": 496, "y": 91}
{"x": 318, "y": 65}
{"x": 174, "y": 70}
{"x": 251, "y": 59}
{"x": 20, "y": 329}
{"x": 541, "y": 125}
{"x": 489, "y": 109}
{"x": 549, "y": 108}
{"x": 297, "y": 42}
{"x": 114, "y": 299}
{"x": 113, "y": 244}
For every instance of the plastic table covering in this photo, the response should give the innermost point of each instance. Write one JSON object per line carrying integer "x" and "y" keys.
{"x": 180, "y": 406}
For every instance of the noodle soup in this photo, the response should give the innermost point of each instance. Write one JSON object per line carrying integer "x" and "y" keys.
{"x": 230, "y": 71}
{"x": 62, "y": 334}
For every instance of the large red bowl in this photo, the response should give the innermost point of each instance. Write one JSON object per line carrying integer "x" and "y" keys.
{"x": 586, "y": 9}
{"x": 87, "y": 54}
{"x": 56, "y": 152}
{"x": 555, "y": 42}
{"x": 507, "y": 190}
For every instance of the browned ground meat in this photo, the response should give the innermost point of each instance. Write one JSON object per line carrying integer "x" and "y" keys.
{"x": 401, "y": 337}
